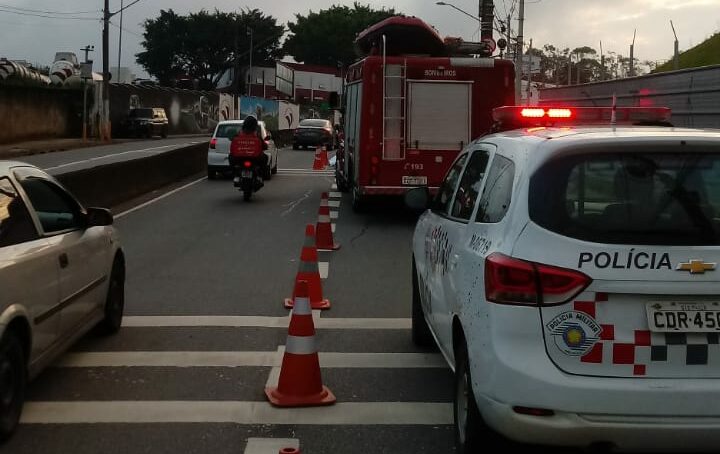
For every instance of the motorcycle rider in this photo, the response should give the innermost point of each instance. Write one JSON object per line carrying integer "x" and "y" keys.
{"x": 247, "y": 146}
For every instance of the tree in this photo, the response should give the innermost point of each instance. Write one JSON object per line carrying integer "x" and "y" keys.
{"x": 327, "y": 37}
{"x": 202, "y": 45}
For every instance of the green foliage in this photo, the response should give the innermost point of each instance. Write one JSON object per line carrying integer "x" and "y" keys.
{"x": 203, "y": 44}
{"x": 704, "y": 54}
{"x": 326, "y": 37}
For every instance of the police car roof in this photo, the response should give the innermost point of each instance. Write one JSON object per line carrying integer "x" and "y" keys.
{"x": 585, "y": 134}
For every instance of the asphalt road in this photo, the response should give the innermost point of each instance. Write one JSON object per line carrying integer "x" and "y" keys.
{"x": 207, "y": 275}
{"x": 84, "y": 158}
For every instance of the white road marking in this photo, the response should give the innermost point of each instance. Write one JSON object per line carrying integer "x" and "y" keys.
{"x": 292, "y": 205}
{"x": 305, "y": 172}
{"x": 335, "y": 195}
{"x": 334, "y": 215}
{"x": 238, "y": 412}
{"x": 334, "y": 203}
{"x": 157, "y": 199}
{"x": 98, "y": 158}
{"x": 249, "y": 321}
{"x": 324, "y": 268}
{"x": 249, "y": 359}
{"x": 270, "y": 445}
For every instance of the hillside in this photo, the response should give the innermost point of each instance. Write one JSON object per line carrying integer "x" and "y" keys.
{"x": 704, "y": 54}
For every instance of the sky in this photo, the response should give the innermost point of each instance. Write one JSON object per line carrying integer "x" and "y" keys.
{"x": 563, "y": 23}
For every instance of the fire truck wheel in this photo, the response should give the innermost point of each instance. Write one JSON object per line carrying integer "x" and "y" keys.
{"x": 358, "y": 202}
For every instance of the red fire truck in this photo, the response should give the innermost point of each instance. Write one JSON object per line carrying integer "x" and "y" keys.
{"x": 411, "y": 105}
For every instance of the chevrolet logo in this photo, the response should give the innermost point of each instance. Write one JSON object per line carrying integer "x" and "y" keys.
{"x": 696, "y": 267}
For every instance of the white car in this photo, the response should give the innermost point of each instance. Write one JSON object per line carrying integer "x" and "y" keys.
{"x": 219, "y": 149}
{"x": 569, "y": 275}
{"x": 62, "y": 272}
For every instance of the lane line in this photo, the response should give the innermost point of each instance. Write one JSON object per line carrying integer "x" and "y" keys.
{"x": 139, "y": 412}
{"x": 157, "y": 199}
{"x": 250, "y": 321}
{"x": 330, "y": 360}
{"x": 324, "y": 268}
{"x": 270, "y": 445}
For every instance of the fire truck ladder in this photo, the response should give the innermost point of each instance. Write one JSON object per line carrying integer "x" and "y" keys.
{"x": 393, "y": 111}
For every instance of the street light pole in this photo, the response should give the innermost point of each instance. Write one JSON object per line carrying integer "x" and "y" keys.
{"x": 105, "y": 108}
{"x": 518, "y": 52}
{"x": 676, "y": 54}
{"x": 122, "y": 4}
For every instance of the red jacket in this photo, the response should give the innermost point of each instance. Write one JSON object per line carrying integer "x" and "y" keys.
{"x": 246, "y": 146}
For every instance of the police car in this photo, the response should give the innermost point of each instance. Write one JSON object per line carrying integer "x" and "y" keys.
{"x": 568, "y": 271}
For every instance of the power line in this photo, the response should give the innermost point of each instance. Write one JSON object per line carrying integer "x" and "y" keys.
{"x": 126, "y": 30}
{"x": 47, "y": 16}
{"x": 48, "y": 12}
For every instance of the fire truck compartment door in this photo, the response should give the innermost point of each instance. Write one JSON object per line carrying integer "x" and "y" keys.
{"x": 439, "y": 115}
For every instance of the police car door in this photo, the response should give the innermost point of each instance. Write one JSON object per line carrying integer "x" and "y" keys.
{"x": 454, "y": 230}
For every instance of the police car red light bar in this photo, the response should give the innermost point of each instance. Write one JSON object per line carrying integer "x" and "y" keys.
{"x": 519, "y": 116}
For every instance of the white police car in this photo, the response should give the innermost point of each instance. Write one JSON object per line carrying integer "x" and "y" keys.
{"x": 569, "y": 276}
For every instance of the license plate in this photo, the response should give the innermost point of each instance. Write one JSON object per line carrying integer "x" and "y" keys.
{"x": 683, "y": 317}
{"x": 414, "y": 181}
{"x": 246, "y": 174}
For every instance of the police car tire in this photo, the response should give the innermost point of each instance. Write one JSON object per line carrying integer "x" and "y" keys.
{"x": 421, "y": 335}
{"x": 212, "y": 174}
{"x": 12, "y": 362}
{"x": 115, "y": 300}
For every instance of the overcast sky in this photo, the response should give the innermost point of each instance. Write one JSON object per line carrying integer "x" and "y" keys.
{"x": 565, "y": 23}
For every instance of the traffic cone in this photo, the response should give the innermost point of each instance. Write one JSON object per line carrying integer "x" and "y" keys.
{"x": 309, "y": 272}
{"x": 324, "y": 238}
{"x": 300, "y": 383}
{"x": 324, "y": 156}
{"x": 318, "y": 163}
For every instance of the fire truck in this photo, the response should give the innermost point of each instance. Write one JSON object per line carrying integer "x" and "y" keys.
{"x": 411, "y": 105}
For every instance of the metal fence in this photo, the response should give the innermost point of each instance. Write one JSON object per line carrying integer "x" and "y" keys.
{"x": 692, "y": 94}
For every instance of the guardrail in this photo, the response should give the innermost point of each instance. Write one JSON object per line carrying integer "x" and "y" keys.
{"x": 111, "y": 184}
{"x": 693, "y": 95}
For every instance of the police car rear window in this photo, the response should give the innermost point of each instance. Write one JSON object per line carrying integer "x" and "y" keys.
{"x": 630, "y": 198}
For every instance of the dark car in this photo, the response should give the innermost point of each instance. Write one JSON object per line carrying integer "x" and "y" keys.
{"x": 147, "y": 122}
{"x": 314, "y": 133}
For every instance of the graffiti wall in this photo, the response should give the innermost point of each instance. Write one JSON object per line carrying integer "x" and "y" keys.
{"x": 188, "y": 111}
{"x": 288, "y": 115}
{"x": 263, "y": 109}
{"x": 227, "y": 107}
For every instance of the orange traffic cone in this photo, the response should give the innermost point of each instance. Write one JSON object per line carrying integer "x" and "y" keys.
{"x": 325, "y": 239}
{"x": 300, "y": 383}
{"x": 324, "y": 156}
{"x": 318, "y": 163}
{"x": 309, "y": 272}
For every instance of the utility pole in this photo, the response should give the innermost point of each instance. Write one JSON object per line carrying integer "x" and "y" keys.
{"x": 632, "y": 55}
{"x": 105, "y": 107}
{"x": 676, "y": 54}
{"x": 529, "y": 81}
{"x": 250, "y": 75}
{"x": 518, "y": 51}
{"x": 122, "y": 4}
{"x": 579, "y": 67}
{"x": 87, "y": 50}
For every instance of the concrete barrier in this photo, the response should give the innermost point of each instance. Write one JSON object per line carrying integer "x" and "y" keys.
{"x": 112, "y": 184}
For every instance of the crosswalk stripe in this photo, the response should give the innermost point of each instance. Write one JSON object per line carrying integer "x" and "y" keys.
{"x": 250, "y": 321}
{"x": 238, "y": 412}
{"x": 330, "y": 360}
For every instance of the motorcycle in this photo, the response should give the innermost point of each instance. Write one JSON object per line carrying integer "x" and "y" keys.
{"x": 248, "y": 179}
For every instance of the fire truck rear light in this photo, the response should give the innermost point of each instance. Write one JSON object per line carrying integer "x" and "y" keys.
{"x": 519, "y": 282}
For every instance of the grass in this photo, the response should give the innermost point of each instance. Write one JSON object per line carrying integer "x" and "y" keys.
{"x": 704, "y": 54}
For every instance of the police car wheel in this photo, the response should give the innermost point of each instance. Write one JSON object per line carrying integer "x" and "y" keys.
{"x": 13, "y": 381}
{"x": 421, "y": 335}
{"x": 115, "y": 301}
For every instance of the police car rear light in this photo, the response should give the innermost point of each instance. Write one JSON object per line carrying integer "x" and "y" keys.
{"x": 213, "y": 142}
{"x": 517, "y": 116}
{"x": 519, "y": 282}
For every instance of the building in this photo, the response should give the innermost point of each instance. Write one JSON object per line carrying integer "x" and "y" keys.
{"x": 307, "y": 83}
{"x": 122, "y": 75}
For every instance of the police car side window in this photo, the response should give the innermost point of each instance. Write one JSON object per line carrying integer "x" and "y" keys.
{"x": 441, "y": 204}
{"x": 16, "y": 225}
{"x": 467, "y": 193}
{"x": 497, "y": 193}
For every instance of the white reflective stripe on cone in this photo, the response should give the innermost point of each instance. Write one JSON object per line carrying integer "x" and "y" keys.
{"x": 300, "y": 345}
{"x": 302, "y": 306}
{"x": 323, "y": 218}
{"x": 324, "y": 203}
